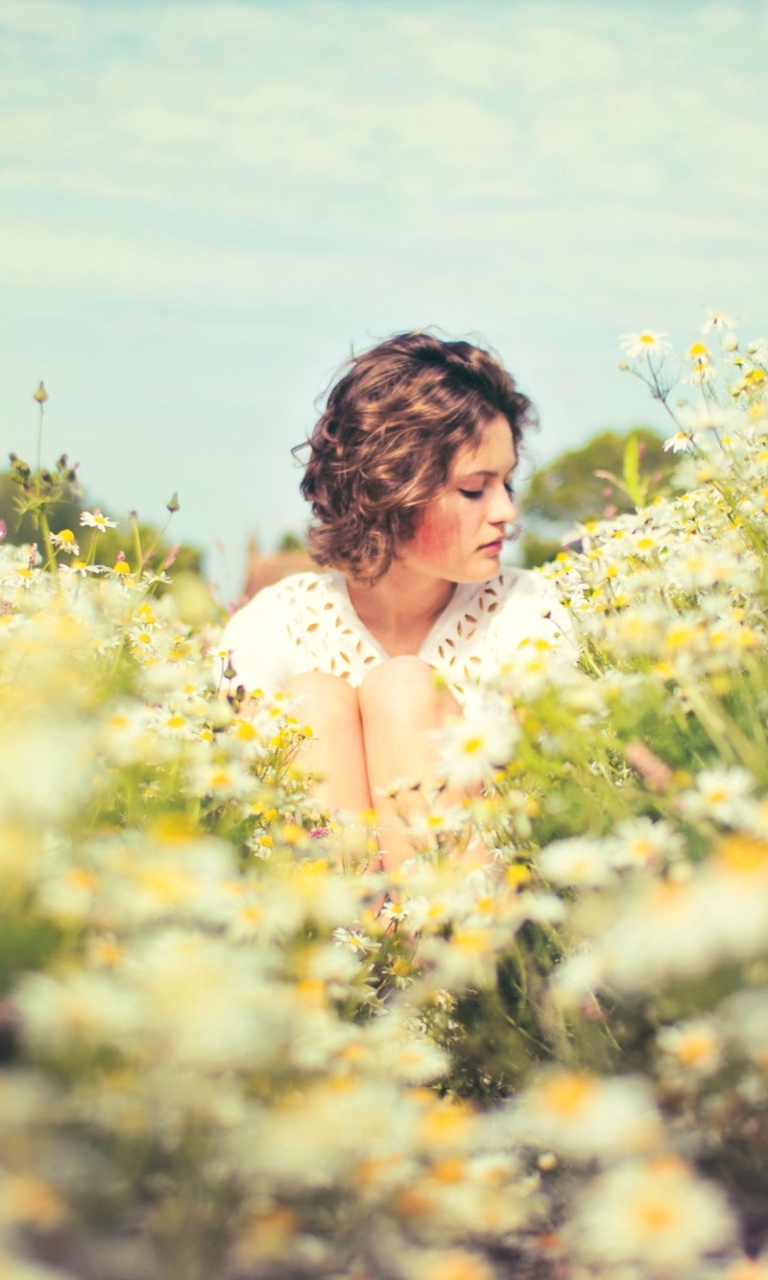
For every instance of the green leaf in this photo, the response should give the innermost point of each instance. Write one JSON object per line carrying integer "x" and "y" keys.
{"x": 631, "y": 470}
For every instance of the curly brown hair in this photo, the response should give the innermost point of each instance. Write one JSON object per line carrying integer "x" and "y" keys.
{"x": 383, "y": 447}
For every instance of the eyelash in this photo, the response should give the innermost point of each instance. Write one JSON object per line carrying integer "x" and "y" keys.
{"x": 474, "y": 494}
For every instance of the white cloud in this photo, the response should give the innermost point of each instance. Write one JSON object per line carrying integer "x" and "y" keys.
{"x": 241, "y": 111}
{"x": 548, "y": 173}
{"x": 723, "y": 19}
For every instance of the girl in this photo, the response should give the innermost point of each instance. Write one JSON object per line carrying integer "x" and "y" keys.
{"x": 410, "y": 480}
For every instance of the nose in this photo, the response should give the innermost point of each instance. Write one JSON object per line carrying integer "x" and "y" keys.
{"x": 504, "y": 509}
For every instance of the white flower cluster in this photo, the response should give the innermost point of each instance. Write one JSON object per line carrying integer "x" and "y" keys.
{"x": 213, "y": 1050}
{"x": 657, "y": 841}
{"x": 232, "y": 1050}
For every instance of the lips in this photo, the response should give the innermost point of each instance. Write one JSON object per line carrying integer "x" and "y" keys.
{"x": 493, "y": 546}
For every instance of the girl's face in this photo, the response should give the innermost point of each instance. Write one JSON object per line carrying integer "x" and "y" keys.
{"x": 460, "y": 534}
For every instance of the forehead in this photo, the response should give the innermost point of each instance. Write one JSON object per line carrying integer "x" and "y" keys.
{"x": 494, "y": 451}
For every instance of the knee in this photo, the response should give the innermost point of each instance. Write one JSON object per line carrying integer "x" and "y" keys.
{"x": 324, "y": 701}
{"x": 401, "y": 684}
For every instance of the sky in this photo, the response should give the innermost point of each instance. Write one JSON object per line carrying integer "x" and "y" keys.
{"x": 205, "y": 206}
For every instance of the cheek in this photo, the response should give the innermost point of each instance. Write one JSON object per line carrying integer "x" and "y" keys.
{"x": 437, "y": 533}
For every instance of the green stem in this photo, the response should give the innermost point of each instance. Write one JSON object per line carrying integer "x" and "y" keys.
{"x": 40, "y": 446}
{"x": 523, "y": 972}
{"x": 661, "y": 395}
{"x": 736, "y": 747}
{"x": 157, "y": 541}
{"x": 137, "y": 547}
{"x": 42, "y": 520}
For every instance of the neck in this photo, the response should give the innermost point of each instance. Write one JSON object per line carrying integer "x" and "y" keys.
{"x": 404, "y": 601}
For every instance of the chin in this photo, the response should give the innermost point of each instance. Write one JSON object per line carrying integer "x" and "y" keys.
{"x": 484, "y": 567}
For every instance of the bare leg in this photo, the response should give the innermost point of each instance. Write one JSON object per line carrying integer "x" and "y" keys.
{"x": 400, "y": 706}
{"x": 337, "y": 751}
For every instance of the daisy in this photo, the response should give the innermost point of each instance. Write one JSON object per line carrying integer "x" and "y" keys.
{"x": 172, "y": 724}
{"x": 583, "y": 1116}
{"x": 81, "y": 569}
{"x": 476, "y": 744}
{"x": 447, "y": 1264}
{"x": 759, "y": 350}
{"x": 394, "y": 911}
{"x": 664, "y": 928}
{"x": 703, "y": 370}
{"x": 142, "y": 640}
{"x": 717, "y": 321}
{"x": 357, "y": 942}
{"x": 655, "y": 1213}
{"x": 640, "y": 842}
{"x": 124, "y": 732}
{"x": 121, "y": 565}
{"x": 692, "y": 1048}
{"x": 65, "y": 541}
{"x": 710, "y": 418}
{"x": 746, "y": 1018}
{"x": 405, "y": 1056}
{"x": 647, "y": 343}
{"x": 578, "y": 861}
{"x": 680, "y": 442}
{"x": 81, "y": 1008}
{"x": 220, "y": 780}
{"x": 721, "y": 793}
{"x": 95, "y": 520}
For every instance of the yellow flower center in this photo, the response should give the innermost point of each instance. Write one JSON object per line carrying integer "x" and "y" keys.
{"x": 251, "y": 915}
{"x": 742, "y": 854}
{"x": 657, "y": 1216}
{"x": 471, "y": 941}
{"x": 695, "y": 1047}
{"x": 450, "y": 1169}
{"x": 221, "y": 778}
{"x": 568, "y": 1094}
{"x": 80, "y": 879}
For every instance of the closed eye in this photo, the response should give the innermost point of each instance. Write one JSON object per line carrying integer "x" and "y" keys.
{"x": 474, "y": 494}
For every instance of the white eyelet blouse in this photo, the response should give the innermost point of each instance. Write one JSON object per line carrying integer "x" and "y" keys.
{"x": 307, "y": 623}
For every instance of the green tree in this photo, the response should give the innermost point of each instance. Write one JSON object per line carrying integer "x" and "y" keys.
{"x": 291, "y": 542}
{"x": 536, "y": 550}
{"x": 571, "y": 486}
{"x": 613, "y": 472}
